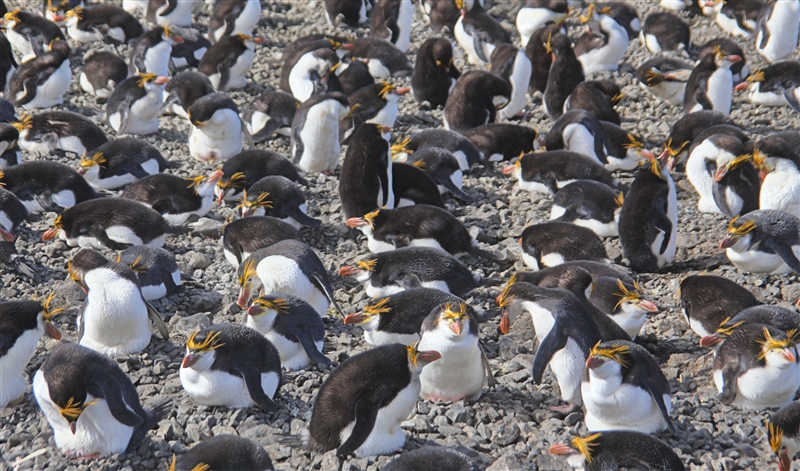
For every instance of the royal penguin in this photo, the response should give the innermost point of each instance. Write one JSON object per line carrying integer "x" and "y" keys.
{"x": 710, "y": 86}
{"x": 764, "y": 241}
{"x": 43, "y": 185}
{"x": 552, "y": 243}
{"x": 228, "y": 61}
{"x": 279, "y": 197}
{"x": 293, "y": 327}
{"x": 603, "y": 44}
{"x": 429, "y": 458}
{"x": 595, "y": 269}
{"x": 359, "y": 407}
{"x": 707, "y": 300}
{"x": 476, "y": 100}
{"x": 185, "y": 88}
{"x": 664, "y": 31}
{"x": 102, "y": 71}
{"x": 391, "y": 20}
{"x": 739, "y": 70}
{"x": 42, "y": 81}
{"x": 190, "y": 52}
{"x": 12, "y": 214}
{"x": 434, "y": 74}
{"x": 8, "y": 63}
{"x": 665, "y": 78}
{"x": 270, "y": 113}
{"x": 234, "y": 17}
{"x": 224, "y": 452}
{"x": 58, "y": 132}
{"x": 566, "y": 72}
{"x": 535, "y": 14}
{"x": 738, "y": 18}
{"x": 244, "y": 169}
{"x": 512, "y": 64}
{"x": 376, "y": 103}
{"x": 779, "y": 168}
{"x": 350, "y": 12}
{"x": 756, "y": 368}
{"x": 22, "y": 325}
{"x": 462, "y": 147}
{"x": 354, "y": 75}
{"x": 623, "y": 301}
{"x": 618, "y": 449}
{"x": 777, "y": 30}
{"x": 578, "y": 131}
{"x": 114, "y": 223}
{"x": 311, "y": 74}
{"x": 55, "y": 11}
{"x": 685, "y": 130}
{"x": 155, "y": 268}
{"x": 121, "y": 161}
{"x": 242, "y": 237}
{"x": 440, "y": 15}
{"x": 411, "y": 185}
{"x": 172, "y": 12}
{"x": 176, "y": 199}
{"x": 398, "y": 318}
{"x": 589, "y": 204}
{"x": 7, "y": 113}
{"x": 152, "y": 52}
{"x": 540, "y": 54}
{"x": 478, "y": 33}
{"x": 91, "y": 404}
{"x": 288, "y": 266}
{"x": 365, "y": 183}
{"x": 783, "y": 319}
{"x": 217, "y": 132}
{"x": 231, "y": 365}
{"x": 775, "y": 85}
{"x": 443, "y": 167}
{"x": 105, "y": 22}
{"x": 29, "y": 34}
{"x": 503, "y": 141}
{"x": 385, "y": 60}
{"x": 314, "y": 145}
{"x": 135, "y": 104}
{"x": 648, "y": 221}
{"x": 624, "y": 150}
{"x": 546, "y": 172}
{"x": 783, "y": 428}
{"x": 598, "y": 97}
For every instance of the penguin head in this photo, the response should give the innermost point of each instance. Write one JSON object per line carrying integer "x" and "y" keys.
{"x": 169, "y": 36}
{"x": 367, "y": 222}
{"x": 46, "y": 314}
{"x": 774, "y": 153}
{"x": 10, "y": 19}
{"x": 506, "y": 301}
{"x": 227, "y": 185}
{"x": 559, "y": 44}
{"x": 202, "y": 185}
{"x": 254, "y": 204}
{"x": 711, "y": 7}
{"x": 90, "y": 167}
{"x": 83, "y": 262}
{"x": 752, "y": 81}
{"x": 70, "y": 406}
{"x": 57, "y": 230}
{"x": 779, "y": 349}
{"x": 400, "y": 150}
{"x": 783, "y": 447}
{"x": 466, "y": 5}
{"x": 516, "y": 168}
{"x": 197, "y": 467}
{"x": 579, "y": 451}
{"x": 630, "y": 300}
{"x": 452, "y": 320}
{"x": 55, "y": 11}
{"x": 370, "y": 317}
{"x": 673, "y": 152}
{"x": 725, "y": 329}
{"x": 73, "y": 16}
{"x": 248, "y": 41}
{"x": 24, "y": 123}
{"x": 740, "y": 234}
{"x": 635, "y": 149}
{"x": 724, "y": 59}
{"x": 606, "y": 360}
{"x": 728, "y": 163}
{"x": 362, "y": 270}
{"x": 151, "y": 81}
{"x": 390, "y": 92}
{"x": 59, "y": 45}
{"x": 249, "y": 281}
{"x": 201, "y": 349}
{"x": 418, "y": 359}
{"x": 262, "y": 312}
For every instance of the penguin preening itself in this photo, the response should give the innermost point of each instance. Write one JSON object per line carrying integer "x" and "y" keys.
{"x": 354, "y": 75}
{"x": 777, "y": 30}
{"x": 439, "y": 14}
{"x": 42, "y": 81}
{"x": 135, "y": 104}
{"x": 314, "y": 146}
{"x": 120, "y": 162}
{"x": 155, "y": 268}
{"x": 385, "y": 60}
{"x": 740, "y": 70}
{"x": 566, "y": 72}
{"x": 365, "y": 183}
{"x": 244, "y": 169}
{"x": 578, "y": 131}
{"x": 434, "y": 73}
{"x": 58, "y": 132}
{"x": 429, "y": 458}
{"x": 91, "y": 404}
{"x": 774, "y": 85}
{"x": 546, "y": 172}
{"x": 269, "y": 113}
{"x": 512, "y": 64}
{"x": 685, "y": 130}
{"x": 618, "y": 450}
{"x": 359, "y": 408}
{"x": 293, "y": 327}
{"x": 234, "y": 17}
{"x": 781, "y": 318}
{"x": 391, "y": 20}
{"x": 43, "y": 185}
{"x": 710, "y": 86}
{"x": 224, "y": 452}
{"x": 779, "y": 167}
{"x": 502, "y": 141}
{"x": 231, "y": 365}
{"x": 242, "y": 237}
{"x": 311, "y": 74}
{"x": 783, "y": 428}
{"x": 478, "y": 32}
{"x": 462, "y": 147}
{"x": 279, "y": 197}
{"x": 29, "y": 34}
{"x": 664, "y": 31}
{"x": 152, "y": 52}
{"x": 217, "y": 131}
{"x": 665, "y": 78}
{"x": 162, "y": 12}
{"x": 444, "y": 168}
{"x": 22, "y": 325}
{"x": 598, "y": 97}
{"x": 552, "y": 243}
{"x": 589, "y": 204}
{"x": 475, "y": 100}
{"x": 105, "y": 22}
{"x": 176, "y": 199}
{"x": 228, "y": 61}
{"x": 535, "y": 14}
{"x": 102, "y": 71}
{"x": 707, "y": 301}
{"x": 603, "y": 44}
{"x": 624, "y": 150}
{"x": 52, "y": 10}
{"x": 764, "y": 241}
{"x": 182, "y": 90}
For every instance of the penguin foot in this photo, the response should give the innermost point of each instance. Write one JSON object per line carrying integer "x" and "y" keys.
{"x": 565, "y": 409}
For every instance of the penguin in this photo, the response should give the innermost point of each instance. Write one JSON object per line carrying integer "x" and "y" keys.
{"x": 443, "y": 167}
{"x": 781, "y": 318}
{"x": 578, "y": 131}
{"x": 7, "y": 113}
{"x": 183, "y": 90}
{"x": 776, "y": 30}
{"x": 114, "y": 223}
{"x": 269, "y": 113}
{"x": 738, "y": 18}
{"x": 55, "y": 11}
{"x": 44, "y": 186}
{"x": 314, "y": 145}
{"x": 512, "y": 64}
{"x": 503, "y": 141}
{"x": 462, "y": 147}
{"x": 313, "y": 42}
{"x": 663, "y": 31}
{"x": 398, "y": 318}
{"x": 566, "y": 72}
{"x": 535, "y": 14}
{"x": 434, "y": 74}
{"x": 779, "y": 168}
{"x": 440, "y": 15}
{"x": 108, "y": 23}
{"x": 217, "y": 131}
{"x": 623, "y": 301}
{"x": 648, "y": 220}
{"x": 391, "y": 20}
{"x": 288, "y": 266}
{"x": 710, "y": 86}
{"x": 419, "y": 225}
{"x": 228, "y": 61}
{"x": 541, "y": 56}
{"x": 774, "y": 85}
{"x": 740, "y": 70}
{"x": 477, "y": 32}
{"x": 120, "y": 162}
{"x": 411, "y": 185}
{"x": 589, "y": 204}
{"x": 155, "y": 268}
{"x": 724, "y": 176}
{"x": 625, "y": 14}
{"x": 476, "y": 100}
{"x": 552, "y": 243}
{"x": 8, "y": 64}
{"x": 152, "y": 52}
{"x": 624, "y": 389}
{"x": 114, "y": 316}
{"x": 311, "y": 74}
{"x": 376, "y": 103}
{"x": 429, "y": 458}
{"x": 365, "y": 183}
{"x": 757, "y": 367}
{"x": 665, "y": 78}
{"x": 58, "y": 132}
{"x": 279, "y": 197}
{"x": 707, "y": 300}
{"x": 135, "y": 104}
{"x": 189, "y": 52}
{"x": 10, "y": 153}
{"x": 102, "y": 71}
{"x": 351, "y": 12}
{"x": 244, "y": 169}
{"x": 685, "y": 130}
{"x": 598, "y": 97}
{"x": 174, "y": 12}
{"x": 229, "y": 18}
{"x": 91, "y": 404}
{"x": 42, "y": 81}
{"x": 224, "y": 452}
{"x": 29, "y": 33}
{"x": 354, "y": 75}
{"x": 231, "y": 365}
{"x": 22, "y": 325}
{"x": 386, "y": 273}
{"x": 782, "y": 433}
{"x": 603, "y": 44}
{"x": 619, "y": 449}
{"x": 452, "y": 330}
{"x": 176, "y": 199}
{"x": 764, "y": 241}
{"x": 359, "y": 407}
{"x": 242, "y": 237}
{"x": 385, "y": 60}
{"x": 624, "y": 150}
{"x": 546, "y": 172}
{"x": 12, "y": 214}
{"x": 292, "y": 326}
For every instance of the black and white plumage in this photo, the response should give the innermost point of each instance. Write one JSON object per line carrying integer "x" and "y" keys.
{"x": 12, "y": 214}
{"x": 777, "y": 30}
{"x": 589, "y": 204}
{"x": 598, "y": 97}
{"x": 279, "y": 197}
{"x": 619, "y": 449}
{"x": 391, "y": 20}
{"x": 664, "y": 31}
{"x": 443, "y": 167}
{"x": 546, "y": 172}
{"x": 512, "y": 64}
{"x": 152, "y": 52}
{"x": 385, "y": 60}
{"x": 764, "y": 241}
{"x": 107, "y": 23}
{"x": 350, "y": 12}
{"x": 10, "y": 153}
{"x": 434, "y": 73}
{"x": 475, "y": 100}
{"x": 603, "y": 44}
{"x": 269, "y": 113}
{"x": 578, "y": 131}
{"x": 233, "y": 17}
{"x": 244, "y": 169}
{"x": 217, "y": 131}
{"x": 566, "y": 72}
{"x": 432, "y": 458}
{"x": 190, "y": 51}
{"x": 315, "y": 132}
{"x": 710, "y": 85}
{"x": 783, "y": 428}
{"x": 30, "y": 34}
{"x": 175, "y": 198}
{"x": 778, "y": 162}
{"x": 778, "y": 317}
{"x": 51, "y": 132}
{"x": 42, "y": 185}
{"x": 55, "y": 10}
{"x": 552, "y": 243}
{"x": 624, "y": 302}
{"x": 685, "y": 130}
{"x": 155, "y": 268}
{"x": 354, "y": 75}
{"x": 541, "y": 56}
{"x": 366, "y": 179}
{"x": 624, "y": 150}
{"x": 665, "y": 78}
{"x": 477, "y": 32}
{"x": 439, "y": 14}
{"x": 228, "y": 61}
{"x": 707, "y": 300}
{"x": 163, "y": 12}
{"x": 376, "y": 103}
{"x": 225, "y": 453}
{"x": 775, "y": 85}
{"x": 465, "y": 151}
{"x": 740, "y": 70}
{"x": 184, "y": 89}
{"x": 738, "y": 18}
{"x": 312, "y": 73}
{"x": 121, "y": 161}
{"x": 8, "y": 64}
{"x": 535, "y": 14}
{"x": 135, "y": 104}
{"x": 411, "y": 185}
{"x": 42, "y": 81}
{"x": 102, "y": 71}
{"x": 503, "y": 141}
{"x": 242, "y": 237}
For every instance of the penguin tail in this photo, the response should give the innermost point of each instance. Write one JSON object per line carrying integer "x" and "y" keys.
{"x": 157, "y": 413}
{"x": 303, "y": 218}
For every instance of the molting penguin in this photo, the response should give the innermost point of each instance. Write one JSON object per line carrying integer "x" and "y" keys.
{"x": 229, "y": 18}
{"x": 102, "y": 71}
{"x": 512, "y": 64}
{"x": 535, "y": 14}
{"x": 121, "y": 161}
{"x": 618, "y": 450}
{"x": 552, "y": 243}
{"x": 174, "y": 12}
{"x": 108, "y": 23}
{"x": 783, "y": 429}
{"x": 624, "y": 150}
{"x": 224, "y": 453}
{"x": 777, "y": 30}
{"x": 385, "y": 60}
{"x": 366, "y": 179}
{"x": 443, "y": 167}
{"x": 738, "y": 18}
{"x": 228, "y": 61}
{"x": 665, "y": 78}
{"x": 43, "y": 185}
{"x": 135, "y": 104}
{"x": 764, "y": 241}
{"x": 589, "y": 204}
{"x": 22, "y": 325}
{"x": 578, "y": 131}
{"x": 184, "y": 89}
{"x": 12, "y": 214}
{"x": 664, "y": 31}
{"x": 315, "y": 132}
{"x": 231, "y": 365}
{"x": 376, "y": 103}
{"x": 244, "y": 169}
{"x": 707, "y": 300}
{"x": 429, "y": 458}
{"x": 546, "y": 172}
{"x": 91, "y": 404}
{"x": 710, "y": 86}
{"x": 623, "y": 301}
{"x": 391, "y": 20}
{"x": 774, "y": 85}
{"x": 540, "y": 54}
{"x": 152, "y": 52}
{"x": 217, "y": 131}
{"x": 475, "y": 100}
{"x": 779, "y": 168}
{"x": 42, "y": 81}
{"x": 175, "y": 198}
{"x": 477, "y": 32}
{"x": 57, "y": 132}
{"x": 155, "y": 268}
{"x": 598, "y": 97}
{"x": 566, "y": 72}
{"x": 603, "y": 44}
{"x": 502, "y": 141}
{"x": 350, "y": 12}
{"x": 434, "y": 73}
{"x": 279, "y": 197}
{"x": 269, "y": 113}
{"x": 242, "y": 237}
{"x": 29, "y": 34}
{"x": 465, "y": 151}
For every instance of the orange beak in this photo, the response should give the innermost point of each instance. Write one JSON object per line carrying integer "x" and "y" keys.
{"x": 594, "y": 362}
{"x": 178, "y": 39}
{"x": 508, "y": 170}
{"x": 784, "y": 461}
{"x": 648, "y": 306}
{"x": 215, "y": 175}
{"x": 50, "y": 234}
{"x": 161, "y": 80}
{"x": 560, "y": 449}
{"x": 348, "y": 270}
{"x": 72, "y": 426}
{"x": 7, "y": 236}
{"x": 456, "y": 327}
{"x": 763, "y": 174}
{"x": 244, "y": 296}
{"x": 742, "y": 86}
{"x": 505, "y": 323}
{"x": 402, "y": 90}
{"x": 710, "y": 340}
{"x": 221, "y": 196}
{"x": 429, "y": 356}
{"x": 647, "y": 154}
{"x": 734, "y": 59}
{"x": 789, "y": 355}
{"x": 52, "y": 332}
{"x": 727, "y": 242}
{"x": 355, "y": 222}
{"x": 354, "y": 318}
{"x": 720, "y": 174}
{"x": 254, "y": 310}
{"x": 189, "y": 360}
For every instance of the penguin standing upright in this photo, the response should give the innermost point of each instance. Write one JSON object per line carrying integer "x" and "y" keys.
{"x": 190, "y": 52}
{"x": 228, "y": 61}
{"x": 315, "y": 132}
{"x": 8, "y": 64}
{"x": 217, "y": 131}
{"x": 439, "y": 14}
{"x": 764, "y": 241}
{"x": 184, "y": 89}
{"x": 664, "y": 31}
{"x": 135, "y": 104}
{"x": 224, "y": 452}
{"x": 233, "y": 17}
{"x": 174, "y": 12}
{"x": 478, "y": 32}
{"x": 502, "y": 141}
{"x": 619, "y": 449}
{"x": 603, "y": 44}
{"x": 155, "y": 268}
{"x": 779, "y": 167}
{"x": 366, "y": 179}
{"x": 475, "y": 100}
{"x": 91, "y": 404}
{"x": 566, "y": 72}
{"x": 102, "y": 71}
{"x": 512, "y": 64}
{"x": 42, "y": 81}
{"x": 279, "y": 197}
{"x": 269, "y": 113}
{"x": 541, "y": 56}
{"x": 350, "y": 12}
{"x": 707, "y": 300}
{"x": 665, "y": 78}
{"x": 535, "y": 14}
{"x": 120, "y": 162}
{"x": 589, "y": 204}
{"x": 391, "y": 20}
{"x": 434, "y": 73}
{"x": 29, "y": 33}
{"x": 108, "y": 23}
{"x": 175, "y": 198}
{"x": 777, "y": 29}
{"x": 376, "y": 103}
{"x": 740, "y": 70}
{"x": 242, "y": 237}
{"x": 152, "y": 52}
{"x": 58, "y": 132}
{"x": 710, "y": 86}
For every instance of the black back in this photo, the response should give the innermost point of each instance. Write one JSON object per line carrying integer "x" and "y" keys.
{"x": 711, "y": 299}
{"x": 450, "y": 140}
{"x": 153, "y": 266}
{"x": 94, "y": 216}
{"x": 432, "y": 76}
{"x": 16, "y": 317}
{"x": 40, "y": 179}
{"x": 566, "y": 72}
{"x": 540, "y": 58}
{"x": 572, "y": 242}
{"x": 226, "y": 453}
{"x": 559, "y": 165}
{"x": 65, "y": 124}
{"x": 669, "y": 29}
{"x": 554, "y": 139}
{"x": 364, "y": 172}
{"x": 187, "y": 87}
{"x": 592, "y": 97}
{"x": 243, "y": 346}
{"x": 412, "y": 183}
{"x": 402, "y": 225}
{"x": 632, "y": 450}
{"x": 586, "y": 199}
{"x": 102, "y": 67}
{"x": 432, "y": 458}
{"x": 470, "y": 104}
{"x": 257, "y": 232}
{"x": 165, "y": 193}
{"x": 126, "y": 154}
{"x": 508, "y": 140}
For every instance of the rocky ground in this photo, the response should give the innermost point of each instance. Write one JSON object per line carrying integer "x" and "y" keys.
{"x": 511, "y": 426}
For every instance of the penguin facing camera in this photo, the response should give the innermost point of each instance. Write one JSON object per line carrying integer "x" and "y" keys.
{"x": 135, "y": 104}
{"x": 217, "y": 131}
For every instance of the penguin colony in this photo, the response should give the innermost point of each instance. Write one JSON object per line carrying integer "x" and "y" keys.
{"x": 536, "y": 93}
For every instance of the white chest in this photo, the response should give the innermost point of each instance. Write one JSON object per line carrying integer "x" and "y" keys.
{"x": 12, "y": 366}
{"x": 218, "y": 388}
{"x": 720, "y": 90}
{"x": 156, "y": 59}
{"x": 520, "y": 78}
{"x": 51, "y": 92}
{"x": 115, "y": 319}
{"x": 763, "y": 387}
{"x": 458, "y": 373}
{"x": 320, "y": 137}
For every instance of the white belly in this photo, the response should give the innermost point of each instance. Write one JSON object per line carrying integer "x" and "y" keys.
{"x": 781, "y": 190}
{"x": 12, "y": 366}
{"x": 720, "y": 90}
{"x": 783, "y": 26}
{"x": 218, "y": 388}
{"x": 671, "y": 92}
{"x": 626, "y": 408}
{"x": 567, "y": 365}
{"x": 458, "y": 374}
{"x": 180, "y": 16}
{"x": 51, "y": 92}
{"x": 380, "y": 337}
{"x": 577, "y": 138}
{"x": 387, "y": 115}
{"x": 156, "y": 59}
{"x": 320, "y": 136}
{"x": 520, "y": 78}
{"x": 531, "y": 19}
{"x": 762, "y": 387}
{"x": 293, "y": 355}
{"x": 280, "y": 274}
{"x": 143, "y": 114}
{"x": 757, "y": 262}
{"x": 608, "y": 56}
{"x": 404, "y": 19}
{"x": 217, "y": 142}
{"x": 240, "y": 69}
{"x": 116, "y": 320}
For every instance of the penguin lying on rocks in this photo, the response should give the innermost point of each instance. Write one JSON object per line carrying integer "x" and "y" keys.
{"x": 707, "y": 301}
{"x": 546, "y": 172}
{"x": 589, "y": 204}
{"x": 176, "y": 199}
{"x": 552, "y": 243}
{"x": 42, "y": 81}
{"x": 502, "y": 141}
{"x": 242, "y": 237}
{"x": 764, "y": 241}
{"x": 467, "y": 153}
{"x": 244, "y": 169}
{"x": 224, "y": 452}
{"x": 279, "y": 197}
{"x": 781, "y": 318}
{"x": 120, "y": 162}
{"x": 443, "y": 167}
{"x": 58, "y": 132}
{"x": 184, "y": 89}
{"x": 618, "y": 450}
{"x": 156, "y": 269}
{"x": 42, "y": 185}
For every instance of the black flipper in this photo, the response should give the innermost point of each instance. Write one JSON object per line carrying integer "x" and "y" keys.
{"x": 784, "y": 252}
{"x": 662, "y": 407}
{"x": 111, "y": 391}
{"x": 730, "y": 375}
{"x": 701, "y": 97}
{"x": 555, "y": 340}
{"x": 325, "y": 286}
{"x": 224, "y": 75}
{"x": 662, "y": 222}
{"x": 718, "y": 191}
{"x": 792, "y": 99}
{"x": 158, "y": 321}
{"x": 171, "y": 5}
{"x": 366, "y": 413}
{"x": 448, "y": 183}
{"x": 764, "y": 34}
{"x": 550, "y": 180}
{"x": 310, "y": 347}
{"x": 302, "y": 217}
{"x": 252, "y": 380}
{"x": 477, "y": 43}
{"x": 137, "y": 171}
{"x": 487, "y": 368}
{"x": 124, "y": 109}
